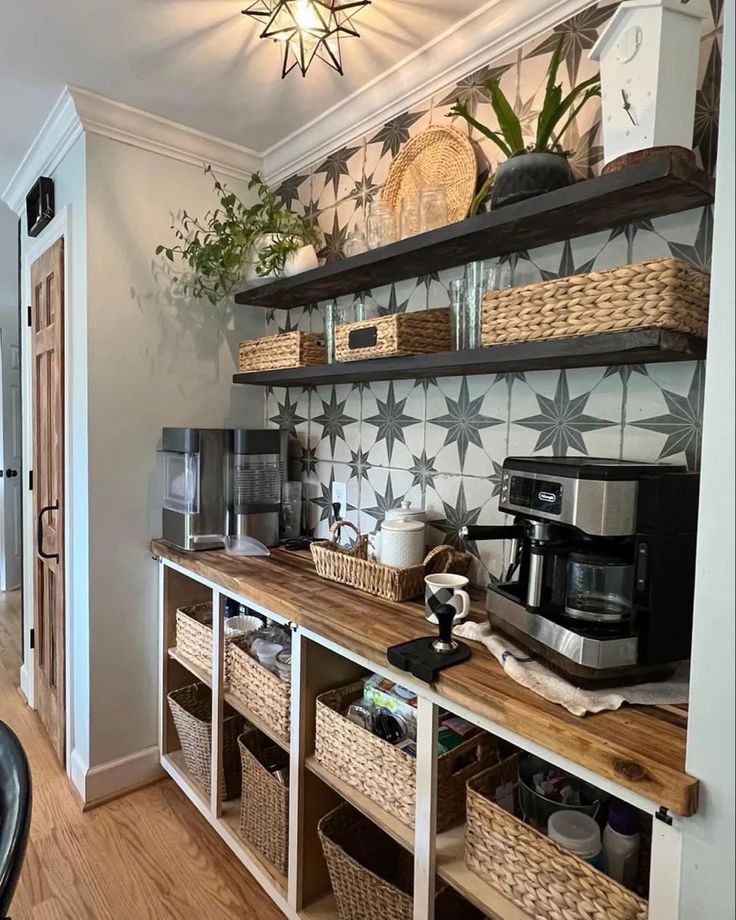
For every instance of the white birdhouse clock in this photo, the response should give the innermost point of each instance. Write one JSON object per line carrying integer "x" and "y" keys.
{"x": 648, "y": 54}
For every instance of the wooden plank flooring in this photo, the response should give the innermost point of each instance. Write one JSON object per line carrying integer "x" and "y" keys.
{"x": 148, "y": 856}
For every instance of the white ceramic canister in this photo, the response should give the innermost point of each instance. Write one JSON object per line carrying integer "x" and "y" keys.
{"x": 400, "y": 544}
{"x": 405, "y": 512}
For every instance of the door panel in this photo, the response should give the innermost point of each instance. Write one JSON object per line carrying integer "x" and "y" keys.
{"x": 47, "y": 309}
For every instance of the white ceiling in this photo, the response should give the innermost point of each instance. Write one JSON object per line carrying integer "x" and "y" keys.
{"x": 197, "y": 62}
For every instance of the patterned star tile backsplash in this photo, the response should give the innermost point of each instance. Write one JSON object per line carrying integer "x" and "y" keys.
{"x": 441, "y": 443}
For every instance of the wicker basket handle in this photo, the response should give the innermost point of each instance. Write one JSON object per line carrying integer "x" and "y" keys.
{"x": 433, "y": 553}
{"x": 360, "y": 550}
{"x": 338, "y": 525}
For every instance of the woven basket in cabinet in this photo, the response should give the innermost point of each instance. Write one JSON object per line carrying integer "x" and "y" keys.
{"x": 266, "y": 695}
{"x": 540, "y": 877}
{"x": 352, "y": 567}
{"x": 191, "y": 709}
{"x": 264, "y": 806}
{"x": 289, "y": 349}
{"x": 194, "y": 637}
{"x": 372, "y": 875}
{"x": 421, "y": 332}
{"x": 663, "y": 294}
{"x": 386, "y": 774}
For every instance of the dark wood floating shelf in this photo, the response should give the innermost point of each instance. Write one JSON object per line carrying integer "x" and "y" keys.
{"x": 662, "y": 186}
{"x": 639, "y": 346}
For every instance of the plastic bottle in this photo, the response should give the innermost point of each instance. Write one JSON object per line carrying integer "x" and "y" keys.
{"x": 577, "y": 833}
{"x": 621, "y": 843}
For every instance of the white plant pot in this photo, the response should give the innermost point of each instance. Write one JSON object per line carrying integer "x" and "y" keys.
{"x": 301, "y": 260}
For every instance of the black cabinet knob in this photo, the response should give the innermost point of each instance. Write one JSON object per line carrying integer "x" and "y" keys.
{"x": 11, "y": 473}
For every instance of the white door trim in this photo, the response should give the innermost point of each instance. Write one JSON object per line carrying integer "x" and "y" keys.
{"x": 59, "y": 227}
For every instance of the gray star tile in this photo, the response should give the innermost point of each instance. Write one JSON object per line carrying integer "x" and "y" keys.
{"x": 463, "y": 421}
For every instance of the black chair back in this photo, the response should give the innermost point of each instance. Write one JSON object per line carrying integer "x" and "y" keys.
{"x": 15, "y": 813}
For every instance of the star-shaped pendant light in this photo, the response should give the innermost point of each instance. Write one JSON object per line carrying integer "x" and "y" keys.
{"x": 308, "y": 29}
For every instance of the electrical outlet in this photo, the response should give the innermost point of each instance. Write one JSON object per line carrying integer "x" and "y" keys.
{"x": 340, "y": 494}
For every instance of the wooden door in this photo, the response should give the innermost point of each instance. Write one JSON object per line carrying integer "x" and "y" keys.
{"x": 47, "y": 325}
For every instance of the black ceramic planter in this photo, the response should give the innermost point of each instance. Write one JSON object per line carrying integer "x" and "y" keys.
{"x": 529, "y": 174}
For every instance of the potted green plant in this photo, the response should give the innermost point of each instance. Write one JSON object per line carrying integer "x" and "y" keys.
{"x": 237, "y": 243}
{"x": 541, "y": 166}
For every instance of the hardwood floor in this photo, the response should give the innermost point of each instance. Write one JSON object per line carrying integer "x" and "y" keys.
{"x": 148, "y": 856}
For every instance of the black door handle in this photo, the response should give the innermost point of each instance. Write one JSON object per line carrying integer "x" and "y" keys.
{"x": 39, "y": 532}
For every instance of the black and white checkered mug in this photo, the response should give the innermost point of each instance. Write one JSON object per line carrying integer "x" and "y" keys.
{"x": 446, "y": 589}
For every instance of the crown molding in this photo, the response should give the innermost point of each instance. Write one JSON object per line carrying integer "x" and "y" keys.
{"x": 498, "y": 27}
{"x": 60, "y": 130}
{"x": 132, "y": 126}
{"x": 78, "y": 110}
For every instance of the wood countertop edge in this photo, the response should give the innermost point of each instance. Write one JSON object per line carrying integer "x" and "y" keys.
{"x": 661, "y": 783}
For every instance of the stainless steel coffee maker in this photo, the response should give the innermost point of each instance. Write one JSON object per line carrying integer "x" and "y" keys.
{"x": 197, "y": 486}
{"x": 603, "y": 565}
{"x": 257, "y": 477}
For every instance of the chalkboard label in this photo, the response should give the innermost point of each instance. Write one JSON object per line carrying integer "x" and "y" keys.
{"x": 363, "y": 338}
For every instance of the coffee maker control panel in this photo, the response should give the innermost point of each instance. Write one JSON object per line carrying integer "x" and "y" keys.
{"x": 534, "y": 494}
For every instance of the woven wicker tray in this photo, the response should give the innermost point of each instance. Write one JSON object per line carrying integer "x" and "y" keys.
{"x": 421, "y": 332}
{"x": 663, "y": 294}
{"x": 439, "y": 157}
{"x": 289, "y": 349}
{"x": 383, "y": 772}
{"x": 535, "y": 873}
{"x": 354, "y": 568}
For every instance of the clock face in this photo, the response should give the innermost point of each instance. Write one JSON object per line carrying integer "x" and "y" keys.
{"x": 629, "y": 44}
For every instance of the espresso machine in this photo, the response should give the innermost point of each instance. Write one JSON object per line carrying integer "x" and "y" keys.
{"x": 602, "y": 575}
{"x": 197, "y": 486}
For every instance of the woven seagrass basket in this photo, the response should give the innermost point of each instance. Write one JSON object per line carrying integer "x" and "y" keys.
{"x": 265, "y": 694}
{"x": 191, "y": 709}
{"x": 386, "y": 774}
{"x": 546, "y": 881}
{"x": 194, "y": 637}
{"x": 264, "y": 806}
{"x": 289, "y": 349}
{"x": 421, "y": 332}
{"x": 661, "y": 294}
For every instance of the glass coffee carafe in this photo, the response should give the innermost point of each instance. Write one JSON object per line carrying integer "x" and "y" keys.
{"x": 599, "y": 588}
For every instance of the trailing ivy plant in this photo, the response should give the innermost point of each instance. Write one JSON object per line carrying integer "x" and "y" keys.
{"x": 216, "y": 248}
{"x": 555, "y": 117}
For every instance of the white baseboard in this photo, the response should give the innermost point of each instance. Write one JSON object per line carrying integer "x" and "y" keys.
{"x": 26, "y": 684}
{"x": 95, "y": 784}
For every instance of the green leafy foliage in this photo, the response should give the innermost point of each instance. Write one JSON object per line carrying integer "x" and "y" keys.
{"x": 216, "y": 248}
{"x": 554, "y": 119}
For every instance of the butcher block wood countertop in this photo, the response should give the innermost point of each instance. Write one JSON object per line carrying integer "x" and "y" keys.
{"x": 640, "y": 748}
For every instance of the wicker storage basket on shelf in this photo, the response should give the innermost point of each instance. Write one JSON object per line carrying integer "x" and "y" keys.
{"x": 289, "y": 349}
{"x": 373, "y": 876}
{"x": 665, "y": 294}
{"x": 546, "y": 881}
{"x": 264, "y": 806}
{"x": 194, "y": 637}
{"x": 191, "y": 709}
{"x": 353, "y": 567}
{"x": 421, "y": 332}
{"x": 265, "y": 694}
{"x": 383, "y": 772}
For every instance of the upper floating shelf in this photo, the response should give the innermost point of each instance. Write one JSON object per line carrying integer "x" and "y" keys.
{"x": 662, "y": 186}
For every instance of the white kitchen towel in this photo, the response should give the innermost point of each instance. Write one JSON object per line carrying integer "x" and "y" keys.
{"x": 535, "y": 676}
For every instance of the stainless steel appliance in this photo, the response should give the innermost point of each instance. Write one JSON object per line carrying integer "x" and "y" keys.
{"x": 601, "y": 583}
{"x": 257, "y": 476}
{"x": 197, "y": 497}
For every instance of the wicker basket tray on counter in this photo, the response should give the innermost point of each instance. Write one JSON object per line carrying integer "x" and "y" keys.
{"x": 353, "y": 567}
{"x": 535, "y": 873}
{"x": 191, "y": 709}
{"x": 262, "y": 691}
{"x": 264, "y": 806}
{"x": 373, "y": 876}
{"x": 288, "y": 349}
{"x": 421, "y": 332}
{"x": 386, "y": 774}
{"x": 194, "y": 637}
{"x": 664, "y": 294}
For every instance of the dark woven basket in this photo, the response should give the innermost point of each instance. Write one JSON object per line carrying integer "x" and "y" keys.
{"x": 191, "y": 708}
{"x": 264, "y": 807}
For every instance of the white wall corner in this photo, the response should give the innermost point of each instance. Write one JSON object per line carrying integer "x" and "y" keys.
{"x": 96, "y": 784}
{"x": 498, "y": 27}
{"x": 60, "y": 130}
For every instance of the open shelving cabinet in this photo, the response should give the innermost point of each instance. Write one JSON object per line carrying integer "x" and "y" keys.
{"x": 319, "y": 664}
